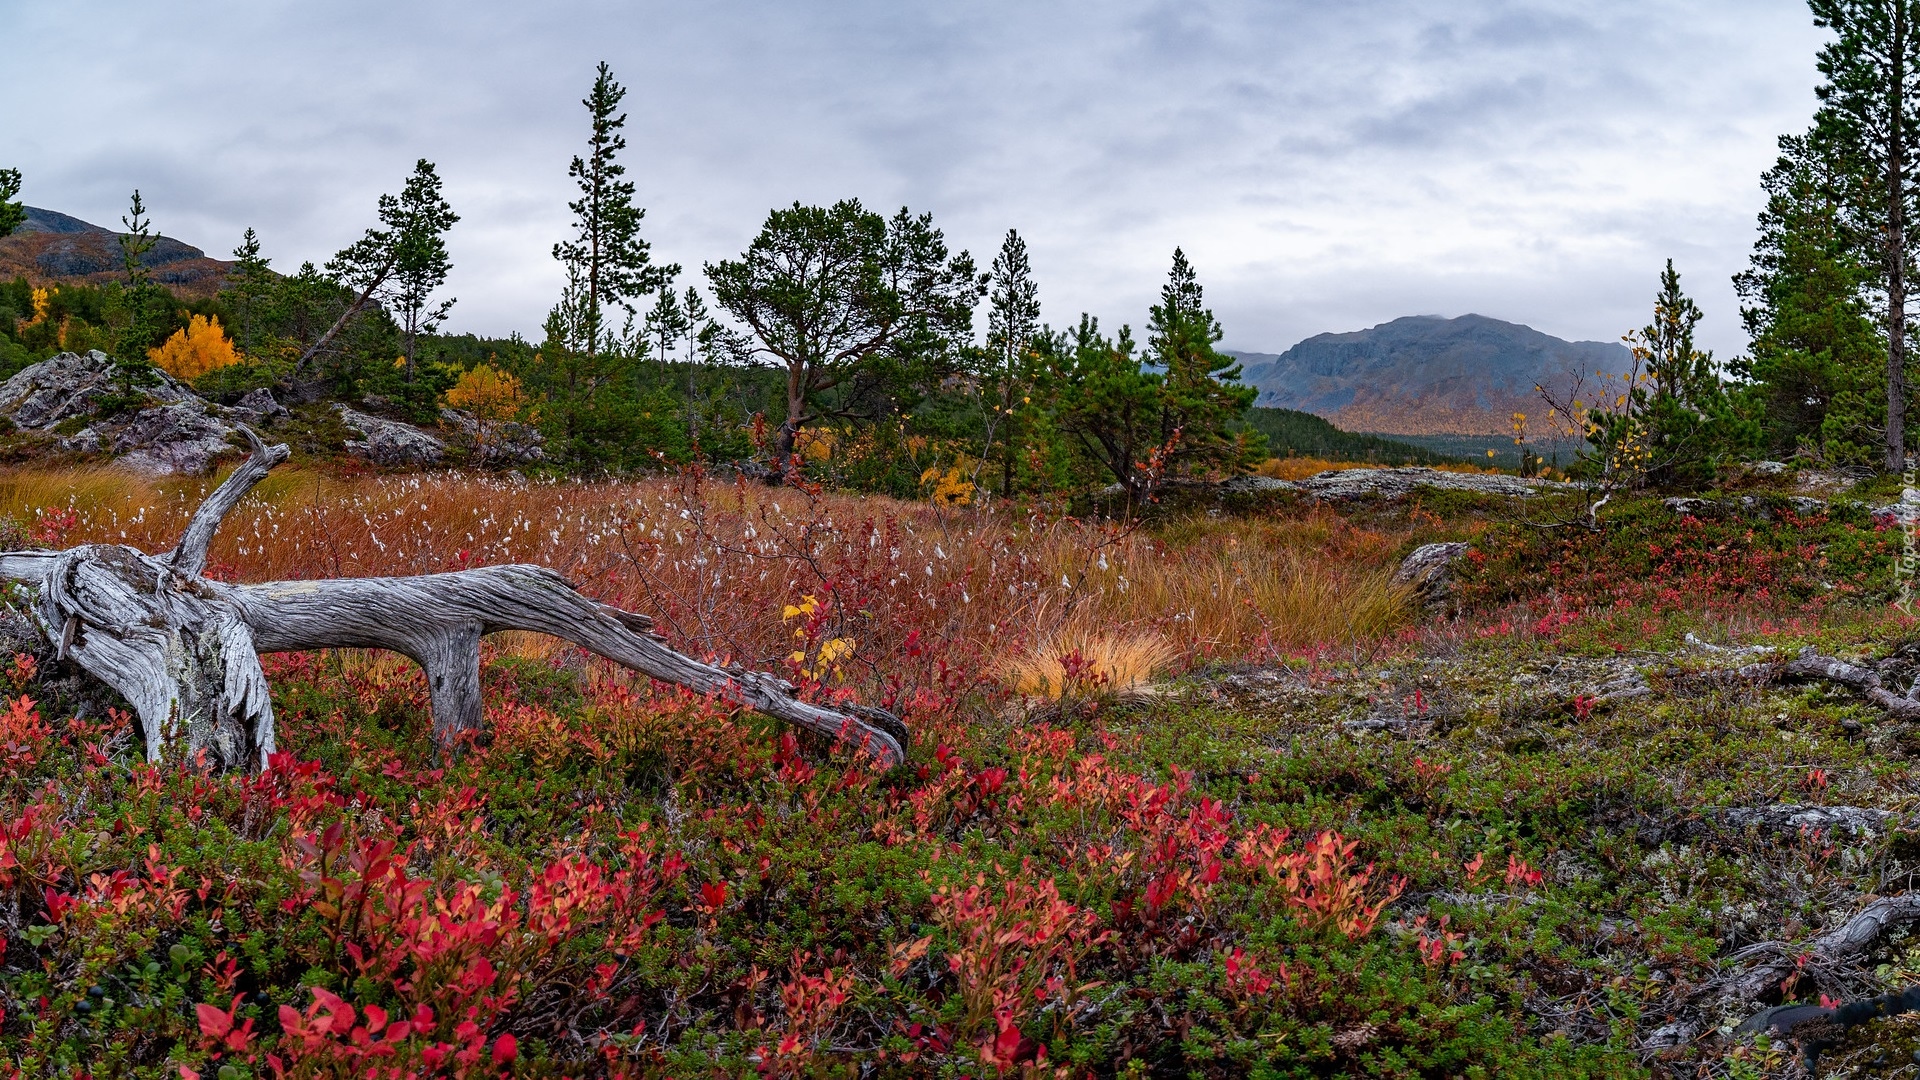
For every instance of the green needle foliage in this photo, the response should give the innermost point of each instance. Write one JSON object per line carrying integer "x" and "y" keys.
{"x": 12, "y": 213}
{"x": 1176, "y": 411}
{"x": 862, "y": 312}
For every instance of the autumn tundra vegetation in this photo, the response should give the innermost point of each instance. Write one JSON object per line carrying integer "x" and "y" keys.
{"x": 1220, "y": 760}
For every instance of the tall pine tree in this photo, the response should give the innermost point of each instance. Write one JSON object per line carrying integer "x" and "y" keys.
{"x": 1203, "y": 398}
{"x": 1816, "y": 366}
{"x": 1870, "y": 107}
{"x": 421, "y": 263}
{"x": 1013, "y": 321}
{"x": 607, "y": 262}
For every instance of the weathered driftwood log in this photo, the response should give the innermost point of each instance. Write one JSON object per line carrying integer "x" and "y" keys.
{"x": 183, "y": 650}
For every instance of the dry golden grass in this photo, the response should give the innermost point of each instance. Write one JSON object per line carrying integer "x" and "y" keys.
{"x": 715, "y": 563}
{"x": 1081, "y": 661}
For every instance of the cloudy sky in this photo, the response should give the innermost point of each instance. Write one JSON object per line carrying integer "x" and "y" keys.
{"x": 1327, "y": 166}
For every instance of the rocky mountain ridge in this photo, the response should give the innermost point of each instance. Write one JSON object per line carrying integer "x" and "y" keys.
{"x": 1426, "y": 375}
{"x": 53, "y": 248}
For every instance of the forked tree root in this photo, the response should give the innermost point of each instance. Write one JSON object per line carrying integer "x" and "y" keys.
{"x": 183, "y": 650}
{"x": 1852, "y": 939}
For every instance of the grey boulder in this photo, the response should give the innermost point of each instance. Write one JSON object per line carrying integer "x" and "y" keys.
{"x": 389, "y": 443}
{"x": 1428, "y": 570}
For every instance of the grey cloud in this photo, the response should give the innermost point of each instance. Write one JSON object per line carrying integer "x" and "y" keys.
{"x": 1326, "y": 165}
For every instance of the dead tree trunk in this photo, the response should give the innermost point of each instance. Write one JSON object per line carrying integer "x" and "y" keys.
{"x": 183, "y": 650}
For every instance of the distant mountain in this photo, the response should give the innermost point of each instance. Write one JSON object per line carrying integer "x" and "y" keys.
{"x": 1426, "y": 375}
{"x": 52, "y": 248}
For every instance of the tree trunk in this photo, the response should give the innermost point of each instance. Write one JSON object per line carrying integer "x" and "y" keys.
{"x": 183, "y": 650}
{"x": 790, "y": 427}
{"x": 1897, "y": 252}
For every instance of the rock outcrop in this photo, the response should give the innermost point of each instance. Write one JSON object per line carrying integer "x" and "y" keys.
{"x": 493, "y": 443}
{"x": 390, "y": 443}
{"x": 1343, "y": 485}
{"x": 259, "y": 409}
{"x": 150, "y": 421}
{"x": 1744, "y": 506}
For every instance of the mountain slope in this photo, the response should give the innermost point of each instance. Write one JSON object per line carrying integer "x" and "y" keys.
{"x": 1426, "y": 375}
{"x": 52, "y": 248}
{"x": 1293, "y": 433}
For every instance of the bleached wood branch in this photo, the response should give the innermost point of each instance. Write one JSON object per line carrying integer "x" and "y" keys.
{"x": 189, "y": 557}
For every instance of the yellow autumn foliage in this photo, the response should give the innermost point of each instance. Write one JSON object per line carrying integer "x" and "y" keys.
{"x": 487, "y": 392}
{"x": 950, "y": 486}
{"x": 200, "y": 348}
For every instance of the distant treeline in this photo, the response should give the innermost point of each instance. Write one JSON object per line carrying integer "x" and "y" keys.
{"x": 1292, "y": 433}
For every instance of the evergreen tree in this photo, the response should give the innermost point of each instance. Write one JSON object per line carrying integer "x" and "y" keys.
{"x": 250, "y": 291}
{"x": 1106, "y": 402}
{"x": 420, "y": 261}
{"x": 1202, "y": 400}
{"x": 145, "y": 317}
{"x": 1180, "y": 412}
{"x": 136, "y": 241}
{"x": 398, "y": 264}
{"x": 667, "y": 323}
{"x": 1817, "y": 362}
{"x": 1870, "y": 107}
{"x": 859, "y": 310}
{"x": 1013, "y": 321}
{"x": 12, "y": 213}
{"x": 607, "y": 262}
{"x": 1676, "y": 424}
{"x": 697, "y": 327}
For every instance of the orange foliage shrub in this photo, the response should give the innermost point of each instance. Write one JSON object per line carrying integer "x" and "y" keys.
{"x": 200, "y": 348}
{"x": 487, "y": 392}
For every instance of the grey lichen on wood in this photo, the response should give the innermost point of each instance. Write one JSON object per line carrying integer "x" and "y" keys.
{"x": 184, "y": 650}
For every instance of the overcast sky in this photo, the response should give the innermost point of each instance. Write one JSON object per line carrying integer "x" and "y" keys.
{"x": 1327, "y": 166}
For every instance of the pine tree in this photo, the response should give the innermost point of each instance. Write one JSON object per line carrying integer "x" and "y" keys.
{"x": 136, "y": 241}
{"x": 420, "y": 261}
{"x": 1203, "y": 400}
{"x": 12, "y": 213}
{"x": 1870, "y": 106}
{"x": 250, "y": 291}
{"x": 1013, "y": 320}
{"x": 146, "y": 313}
{"x": 607, "y": 261}
{"x": 667, "y": 322}
{"x": 1674, "y": 424}
{"x": 1180, "y": 412}
{"x": 399, "y": 264}
{"x": 1816, "y": 362}
{"x": 860, "y": 310}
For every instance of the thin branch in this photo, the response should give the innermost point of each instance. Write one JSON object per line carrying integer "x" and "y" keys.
{"x": 189, "y": 557}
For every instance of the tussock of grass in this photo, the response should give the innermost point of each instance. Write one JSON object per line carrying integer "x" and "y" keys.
{"x": 1081, "y": 661}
